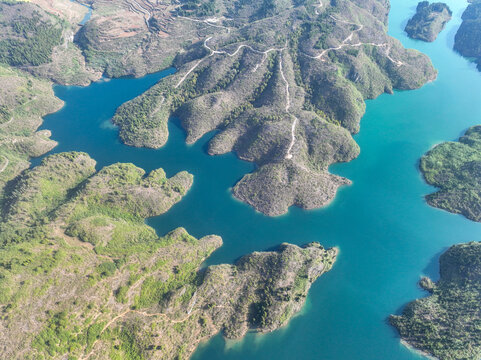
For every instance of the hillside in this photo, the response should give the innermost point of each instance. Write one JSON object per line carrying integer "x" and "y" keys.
{"x": 429, "y": 21}
{"x": 454, "y": 167}
{"x": 82, "y": 276}
{"x": 283, "y": 84}
{"x": 447, "y": 323}
{"x": 468, "y": 38}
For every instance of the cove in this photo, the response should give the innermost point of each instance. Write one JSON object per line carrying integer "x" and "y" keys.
{"x": 387, "y": 235}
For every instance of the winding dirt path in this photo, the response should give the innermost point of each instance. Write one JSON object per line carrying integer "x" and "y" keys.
{"x": 211, "y": 22}
{"x": 316, "y": 11}
{"x": 2, "y": 169}
{"x": 288, "y": 106}
{"x": 264, "y": 57}
{"x": 188, "y": 73}
{"x": 293, "y": 138}
{"x": 143, "y": 313}
{"x": 345, "y": 43}
{"x": 223, "y": 52}
{"x": 348, "y": 39}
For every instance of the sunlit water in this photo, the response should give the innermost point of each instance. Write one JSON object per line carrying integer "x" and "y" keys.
{"x": 387, "y": 235}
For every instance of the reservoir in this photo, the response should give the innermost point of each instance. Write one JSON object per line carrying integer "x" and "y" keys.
{"x": 388, "y": 237}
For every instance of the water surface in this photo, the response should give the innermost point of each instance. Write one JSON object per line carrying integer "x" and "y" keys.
{"x": 87, "y": 16}
{"x": 388, "y": 236}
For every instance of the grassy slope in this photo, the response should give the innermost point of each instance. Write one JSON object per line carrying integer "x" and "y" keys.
{"x": 24, "y": 99}
{"x": 81, "y": 268}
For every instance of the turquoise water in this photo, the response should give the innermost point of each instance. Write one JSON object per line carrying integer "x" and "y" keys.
{"x": 87, "y": 16}
{"x": 388, "y": 236}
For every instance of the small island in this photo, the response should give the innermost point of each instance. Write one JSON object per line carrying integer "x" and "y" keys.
{"x": 455, "y": 168}
{"x": 429, "y": 21}
{"x": 447, "y": 324}
{"x": 468, "y": 38}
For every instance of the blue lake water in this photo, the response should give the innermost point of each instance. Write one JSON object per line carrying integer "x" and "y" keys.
{"x": 87, "y": 16}
{"x": 387, "y": 235}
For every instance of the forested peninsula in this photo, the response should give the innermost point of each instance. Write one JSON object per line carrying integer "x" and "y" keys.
{"x": 455, "y": 168}
{"x": 447, "y": 323}
{"x": 283, "y": 85}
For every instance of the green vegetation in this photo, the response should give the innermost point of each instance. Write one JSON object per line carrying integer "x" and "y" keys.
{"x": 447, "y": 323}
{"x": 455, "y": 168}
{"x": 56, "y": 339}
{"x": 130, "y": 348}
{"x": 234, "y": 80}
{"x": 24, "y": 99}
{"x": 197, "y": 8}
{"x": 154, "y": 290}
{"x": 45, "y": 194}
{"x": 468, "y": 38}
{"x": 78, "y": 261}
{"x": 32, "y": 41}
{"x": 428, "y": 21}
